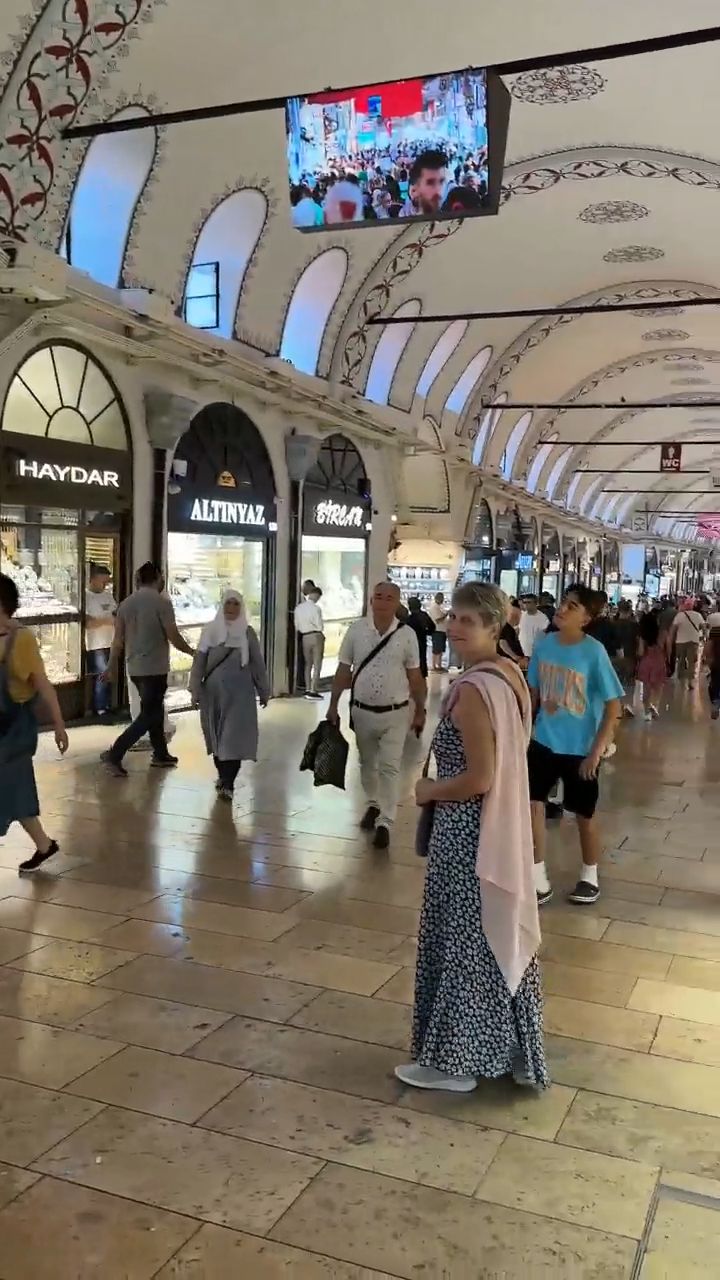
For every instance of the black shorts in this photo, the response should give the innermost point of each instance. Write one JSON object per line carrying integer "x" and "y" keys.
{"x": 439, "y": 642}
{"x": 545, "y": 769}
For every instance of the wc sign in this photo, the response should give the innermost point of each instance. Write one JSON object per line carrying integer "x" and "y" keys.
{"x": 670, "y": 457}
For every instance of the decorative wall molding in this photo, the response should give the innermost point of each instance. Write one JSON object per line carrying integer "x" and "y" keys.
{"x": 47, "y": 92}
{"x": 557, "y": 86}
{"x": 611, "y": 211}
{"x": 634, "y": 253}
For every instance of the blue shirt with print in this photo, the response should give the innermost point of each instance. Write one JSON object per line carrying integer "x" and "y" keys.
{"x": 574, "y": 682}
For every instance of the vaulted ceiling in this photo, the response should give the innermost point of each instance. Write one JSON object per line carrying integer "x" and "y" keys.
{"x": 612, "y": 193}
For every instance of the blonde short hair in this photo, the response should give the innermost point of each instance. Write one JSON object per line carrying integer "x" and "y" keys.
{"x": 486, "y": 599}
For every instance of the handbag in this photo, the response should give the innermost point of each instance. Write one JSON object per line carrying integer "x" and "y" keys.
{"x": 426, "y": 819}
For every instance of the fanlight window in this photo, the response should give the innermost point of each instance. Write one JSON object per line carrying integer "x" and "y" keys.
{"x": 60, "y": 392}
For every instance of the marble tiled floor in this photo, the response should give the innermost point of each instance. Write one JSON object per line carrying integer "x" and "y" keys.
{"x": 200, "y": 1010}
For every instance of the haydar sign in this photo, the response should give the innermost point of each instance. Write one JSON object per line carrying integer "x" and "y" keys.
{"x": 69, "y": 475}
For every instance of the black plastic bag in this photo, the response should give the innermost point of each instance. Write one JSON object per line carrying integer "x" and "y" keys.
{"x": 325, "y": 754}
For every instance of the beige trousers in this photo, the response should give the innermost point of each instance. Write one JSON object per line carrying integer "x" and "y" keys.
{"x": 313, "y": 647}
{"x": 381, "y": 742}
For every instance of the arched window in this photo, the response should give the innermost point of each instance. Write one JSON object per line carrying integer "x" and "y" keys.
{"x": 110, "y": 182}
{"x": 468, "y": 380}
{"x": 517, "y": 435}
{"x": 598, "y": 504}
{"x": 315, "y": 295}
{"x": 388, "y": 354}
{"x": 222, "y": 253}
{"x": 440, "y": 354}
{"x": 538, "y": 463}
{"x": 486, "y": 430}
{"x": 625, "y": 509}
{"x": 611, "y": 505}
{"x": 556, "y": 472}
{"x": 60, "y": 392}
{"x": 572, "y": 488}
{"x": 337, "y": 467}
{"x": 589, "y": 494}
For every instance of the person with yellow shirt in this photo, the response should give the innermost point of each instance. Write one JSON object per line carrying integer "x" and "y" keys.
{"x": 23, "y": 681}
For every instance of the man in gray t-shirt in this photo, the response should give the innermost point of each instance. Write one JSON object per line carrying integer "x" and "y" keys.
{"x": 145, "y": 627}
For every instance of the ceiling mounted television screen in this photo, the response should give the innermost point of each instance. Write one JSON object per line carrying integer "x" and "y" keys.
{"x": 408, "y": 150}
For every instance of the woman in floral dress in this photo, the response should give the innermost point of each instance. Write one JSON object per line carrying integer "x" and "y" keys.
{"x": 478, "y": 999}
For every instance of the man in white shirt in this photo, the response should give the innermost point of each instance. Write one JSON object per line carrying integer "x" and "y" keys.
{"x": 687, "y": 630}
{"x": 439, "y": 613}
{"x": 381, "y": 689}
{"x": 310, "y": 626}
{"x": 100, "y": 610}
{"x": 532, "y": 624}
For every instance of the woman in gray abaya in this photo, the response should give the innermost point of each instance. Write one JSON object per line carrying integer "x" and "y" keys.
{"x": 228, "y": 676}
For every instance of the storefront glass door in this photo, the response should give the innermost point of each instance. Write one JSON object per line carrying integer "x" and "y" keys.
{"x": 201, "y": 566}
{"x": 337, "y": 566}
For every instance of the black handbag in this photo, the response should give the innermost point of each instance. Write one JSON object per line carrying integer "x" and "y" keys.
{"x": 426, "y": 819}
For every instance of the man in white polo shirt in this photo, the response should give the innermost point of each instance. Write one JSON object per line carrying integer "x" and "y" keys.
{"x": 310, "y": 627}
{"x": 380, "y": 664}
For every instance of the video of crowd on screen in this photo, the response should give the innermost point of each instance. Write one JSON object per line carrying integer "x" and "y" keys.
{"x": 411, "y": 149}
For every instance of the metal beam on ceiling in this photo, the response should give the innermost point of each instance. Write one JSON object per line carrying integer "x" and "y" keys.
{"x": 529, "y": 313}
{"x": 625, "y": 444}
{"x": 600, "y": 53}
{"x": 614, "y": 404}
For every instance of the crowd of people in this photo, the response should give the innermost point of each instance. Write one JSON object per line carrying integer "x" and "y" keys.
{"x": 412, "y": 179}
{"x": 536, "y": 705}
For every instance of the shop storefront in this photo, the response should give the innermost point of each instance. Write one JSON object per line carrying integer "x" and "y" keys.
{"x": 221, "y": 526}
{"x": 517, "y": 561}
{"x": 66, "y": 500}
{"x": 596, "y": 569}
{"x": 336, "y": 529}
{"x": 612, "y": 572}
{"x": 551, "y": 564}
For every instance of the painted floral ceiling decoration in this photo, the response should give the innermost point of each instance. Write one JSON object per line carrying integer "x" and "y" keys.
{"x": 554, "y": 85}
{"x": 665, "y": 335}
{"x": 645, "y": 313}
{"x": 634, "y": 253}
{"x": 614, "y": 211}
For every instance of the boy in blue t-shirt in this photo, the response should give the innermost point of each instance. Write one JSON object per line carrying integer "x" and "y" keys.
{"x": 577, "y": 697}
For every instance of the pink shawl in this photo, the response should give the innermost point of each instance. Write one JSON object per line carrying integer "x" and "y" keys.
{"x": 505, "y": 847}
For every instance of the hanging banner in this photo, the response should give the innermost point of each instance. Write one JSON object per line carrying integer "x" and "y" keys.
{"x": 670, "y": 457}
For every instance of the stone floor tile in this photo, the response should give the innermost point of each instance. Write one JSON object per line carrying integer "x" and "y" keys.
{"x": 361, "y": 915}
{"x": 688, "y": 1041}
{"x": 213, "y": 988}
{"x": 573, "y": 922}
{"x": 344, "y": 940}
{"x": 654, "y": 1134}
{"x": 216, "y": 1251}
{"x": 163, "y": 1084}
{"x": 281, "y": 960}
{"x": 641, "y": 1077}
{"x": 77, "y": 961}
{"x": 48, "y": 1056}
{"x": 183, "y": 1169}
{"x": 32, "y": 1120}
{"x": 145, "y": 938}
{"x": 591, "y": 985}
{"x": 672, "y": 941}
{"x": 393, "y": 1226}
{"x": 366, "y": 1135}
{"x": 91, "y": 897}
{"x": 308, "y": 1057}
{"x": 241, "y": 922}
{"x": 675, "y": 1001}
{"x": 152, "y": 1024}
{"x": 704, "y": 974}
{"x": 357, "y": 1017}
{"x": 498, "y": 1104}
{"x": 578, "y": 1186}
{"x": 53, "y": 1001}
{"x": 73, "y": 923}
{"x": 400, "y": 988}
{"x": 101, "y": 1235}
{"x": 14, "y": 944}
{"x": 583, "y": 1020}
{"x": 604, "y": 956}
{"x": 684, "y": 1235}
{"x": 240, "y": 893}
{"x": 13, "y": 1182}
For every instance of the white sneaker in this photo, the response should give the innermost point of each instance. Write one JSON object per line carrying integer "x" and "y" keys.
{"x": 428, "y": 1078}
{"x": 654, "y": 713}
{"x": 649, "y": 717}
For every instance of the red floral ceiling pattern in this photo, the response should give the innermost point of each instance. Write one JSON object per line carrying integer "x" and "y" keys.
{"x": 52, "y": 90}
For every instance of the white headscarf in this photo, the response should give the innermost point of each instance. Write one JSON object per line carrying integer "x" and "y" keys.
{"x": 232, "y": 634}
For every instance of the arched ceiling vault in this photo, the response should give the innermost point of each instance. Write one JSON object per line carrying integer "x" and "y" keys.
{"x": 612, "y": 192}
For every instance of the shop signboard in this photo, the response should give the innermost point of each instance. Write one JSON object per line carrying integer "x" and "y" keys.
{"x": 335, "y": 515}
{"x": 59, "y": 473}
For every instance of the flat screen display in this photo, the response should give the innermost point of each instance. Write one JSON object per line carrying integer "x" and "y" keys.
{"x": 409, "y": 149}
